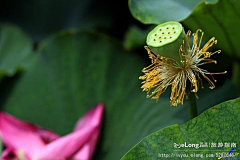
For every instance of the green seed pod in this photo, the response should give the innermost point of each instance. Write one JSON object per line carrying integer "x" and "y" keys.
{"x": 166, "y": 39}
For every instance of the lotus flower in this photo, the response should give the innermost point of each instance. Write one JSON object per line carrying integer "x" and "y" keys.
{"x": 25, "y": 141}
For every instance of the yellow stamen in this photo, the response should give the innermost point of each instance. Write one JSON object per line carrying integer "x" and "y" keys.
{"x": 20, "y": 155}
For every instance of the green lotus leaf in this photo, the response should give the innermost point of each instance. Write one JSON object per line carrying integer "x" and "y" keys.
{"x": 15, "y": 50}
{"x": 220, "y": 20}
{"x": 217, "y": 129}
{"x": 160, "y": 11}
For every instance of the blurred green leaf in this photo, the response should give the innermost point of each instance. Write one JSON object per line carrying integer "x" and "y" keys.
{"x": 73, "y": 71}
{"x": 219, "y": 124}
{"x": 160, "y": 11}
{"x": 15, "y": 49}
{"x": 221, "y": 20}
{"x": 135, "y": 37}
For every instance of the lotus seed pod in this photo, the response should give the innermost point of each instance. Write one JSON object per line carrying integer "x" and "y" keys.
{"x": 166, "y": 39}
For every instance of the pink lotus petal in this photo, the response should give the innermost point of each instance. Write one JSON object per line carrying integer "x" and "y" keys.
{"x": 88, "y": 119}
{"x": 19, "y": 135}
{"x": 47, "y": 136}
{"x": 86, "y": 133}
{"x": 88, "y": 149}
{"x": 66, "y": 146}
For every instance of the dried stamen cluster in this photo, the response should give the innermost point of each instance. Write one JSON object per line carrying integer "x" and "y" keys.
{"x": 164, "y": 72}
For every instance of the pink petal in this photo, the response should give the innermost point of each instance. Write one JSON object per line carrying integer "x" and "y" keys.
{"x": 47, "y": 136}
{"x": 87, "y": 151}
{"x": 88, "y": 128}
{"x": 88, "y": 119}
{"x": 16, "y": 135}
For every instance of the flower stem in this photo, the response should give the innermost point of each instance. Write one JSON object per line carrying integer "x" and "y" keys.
{"x": 192, "y": 105}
